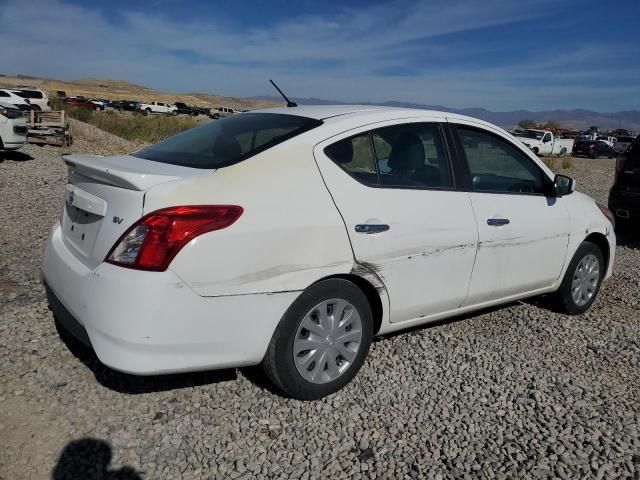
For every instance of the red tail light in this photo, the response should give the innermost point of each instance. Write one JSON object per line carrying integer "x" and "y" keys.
{"x": 153, "y": 241}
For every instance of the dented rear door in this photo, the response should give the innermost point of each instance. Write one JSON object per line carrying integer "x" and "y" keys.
{"x": 420, "y": 242}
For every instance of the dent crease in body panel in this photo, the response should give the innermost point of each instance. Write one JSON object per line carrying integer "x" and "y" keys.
{"x": 267, "y": 274}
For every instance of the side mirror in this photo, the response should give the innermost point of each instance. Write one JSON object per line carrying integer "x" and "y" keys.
{"x": 563, "y": 185}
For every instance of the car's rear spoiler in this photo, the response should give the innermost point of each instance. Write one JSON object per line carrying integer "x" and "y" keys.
{"x": 128, "y": 172}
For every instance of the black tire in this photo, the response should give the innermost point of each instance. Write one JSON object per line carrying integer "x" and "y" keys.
{"x": 36, "y": 108}
{"x": 278, "y": 363}
{"x": 535, "y": 151}
{"x": 216, "y": 116}
{"x": 147, "y": 111}
{"x": 563, "y": 152}
{"x": 175, "y": 113}
{"x": 564, "y": 299}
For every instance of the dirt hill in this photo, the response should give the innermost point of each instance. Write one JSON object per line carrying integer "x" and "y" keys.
{"x": 123, "y": 90}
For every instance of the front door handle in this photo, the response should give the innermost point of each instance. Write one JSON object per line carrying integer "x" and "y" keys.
{"x": 371, "y": 228}
{"x": 497, "y": 222}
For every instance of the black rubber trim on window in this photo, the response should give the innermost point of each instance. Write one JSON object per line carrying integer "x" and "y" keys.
{"x": 464, "y": 174}
{"x": 441, "y": 126}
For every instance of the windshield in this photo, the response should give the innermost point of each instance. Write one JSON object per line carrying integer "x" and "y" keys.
{"x": 228, "y": 141}
{"x": 532, "y": 134}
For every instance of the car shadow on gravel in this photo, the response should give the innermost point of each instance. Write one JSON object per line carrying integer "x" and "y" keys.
{"x": 629, "y": 239}
{"x": 135, "y": 384}
{"x": 14, "y": 155}
{"x": 90, "y": 458}
{"x": 445, "y": 321}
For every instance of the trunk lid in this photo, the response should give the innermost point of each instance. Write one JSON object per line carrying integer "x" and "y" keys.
{"x": 105, "y": 196}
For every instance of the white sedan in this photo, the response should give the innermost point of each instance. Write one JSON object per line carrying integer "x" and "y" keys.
{"x": 290, "y": 237}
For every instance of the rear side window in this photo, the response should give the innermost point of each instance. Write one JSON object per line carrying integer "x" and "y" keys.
{"x": 3, "y": 94}
{"x": 33, "y": 94}
{"x": 355, "y": 156}
{"x": 403, "y": 156}
{"x": 228, "y": 141}
{"x": 496, "y": 165}
{"x": 412, "y": 155}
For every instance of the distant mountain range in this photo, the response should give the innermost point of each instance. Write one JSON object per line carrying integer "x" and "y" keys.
{"x": 579, "y": 119}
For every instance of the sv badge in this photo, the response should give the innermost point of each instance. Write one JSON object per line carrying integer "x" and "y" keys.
{"x": 117, "y": 220}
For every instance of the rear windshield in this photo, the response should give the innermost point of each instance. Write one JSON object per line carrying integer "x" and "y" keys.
{"x": 227, "y": 141}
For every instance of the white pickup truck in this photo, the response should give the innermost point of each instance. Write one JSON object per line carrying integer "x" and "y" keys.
{"x": 158, "y": 107}
{"x": 544, "y": 143}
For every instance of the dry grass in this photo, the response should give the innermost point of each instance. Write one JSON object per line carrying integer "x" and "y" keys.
{"x": 549, "y": 162}
{"x": 567, "y": 163}
{"x": 135, "y": 127}
{"x": 140, "y": 128}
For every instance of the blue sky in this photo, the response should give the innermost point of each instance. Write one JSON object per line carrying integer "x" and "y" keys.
{"x": 497, "y": 54}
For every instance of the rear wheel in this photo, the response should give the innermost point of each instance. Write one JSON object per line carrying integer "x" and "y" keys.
{"x": 147, "y": 111}
{"x": 216, "y": 116}
{"x": 321, "y": 341}
{"x": 563, "y": 152}
{"x": 581, "y": 282}
{"x": 535, "y": 150}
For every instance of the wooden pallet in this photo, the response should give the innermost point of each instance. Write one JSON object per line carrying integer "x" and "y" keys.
{"x": 51, "y": 128}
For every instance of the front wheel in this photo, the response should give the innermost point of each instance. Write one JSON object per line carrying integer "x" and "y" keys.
{"x": 321, "y": 341}
{"x": 581, "y": 282}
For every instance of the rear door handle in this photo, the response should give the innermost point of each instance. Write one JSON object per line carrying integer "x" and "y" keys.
{"x": 371, "y": 228}
{"x": 497, "y": 222}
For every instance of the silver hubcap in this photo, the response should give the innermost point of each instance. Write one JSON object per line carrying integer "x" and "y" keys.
{"x": 327, "y": 341}
{"x": 585, "y": 280}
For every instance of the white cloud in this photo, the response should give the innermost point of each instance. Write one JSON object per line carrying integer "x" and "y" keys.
{"x": 334, "y": 56}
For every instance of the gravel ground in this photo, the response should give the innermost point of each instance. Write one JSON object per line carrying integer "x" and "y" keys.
{"x": 517, "y": 392}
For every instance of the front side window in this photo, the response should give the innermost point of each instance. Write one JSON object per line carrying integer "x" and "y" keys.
{"x": 3, "y": 94}
{"x": 228, "y": 141}
{"x": 496, "y": 165}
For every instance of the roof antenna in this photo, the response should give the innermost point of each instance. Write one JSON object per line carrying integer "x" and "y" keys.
{"x": 289, "y": 102}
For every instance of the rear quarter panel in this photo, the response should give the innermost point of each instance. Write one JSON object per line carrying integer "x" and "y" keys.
{"x": 289, "y": 236}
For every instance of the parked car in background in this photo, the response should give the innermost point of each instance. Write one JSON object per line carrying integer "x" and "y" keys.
{"x": 593, "y": 149}
{"x": 99, "y": 103}
{"x": 155, "y": 265}
{"x": 12, "y": 98}
{"x": 81, "y": 103}
{"x": 184, "y": 109}
{"x": 157, "y": 108}
{"x": 38, "y": 99}
{"x": 221, "y": 112}
{"x": 543, "y": 142}
{"x": 622, "y": 143}
{"x": 13, "y": 127}
{"x": 127, "y": 105}
{"x": 624, "y": 196}
{"x": 608, "y": 140}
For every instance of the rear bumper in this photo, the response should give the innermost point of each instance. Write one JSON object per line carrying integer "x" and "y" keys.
{"x": 151, "y": 322}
